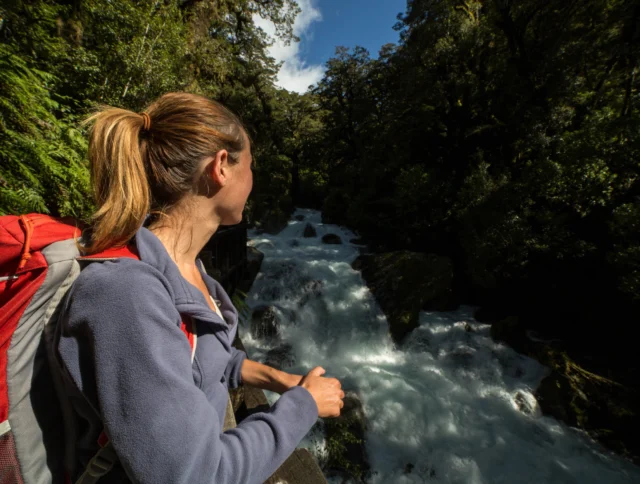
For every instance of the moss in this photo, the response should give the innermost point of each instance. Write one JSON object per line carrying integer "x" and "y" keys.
{"x": 338, "y": 444}
{"x": 602, "y": 407}
{"x": 345, "y": 441}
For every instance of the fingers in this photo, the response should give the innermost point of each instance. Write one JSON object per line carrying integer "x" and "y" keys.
{"x": 317, "y": 371}
{"x": 341, "y": 395}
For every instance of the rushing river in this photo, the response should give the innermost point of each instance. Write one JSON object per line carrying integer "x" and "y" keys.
{"x": 449, "y": 406}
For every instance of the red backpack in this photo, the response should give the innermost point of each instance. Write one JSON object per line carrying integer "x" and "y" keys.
{"x": 39, "y": 260}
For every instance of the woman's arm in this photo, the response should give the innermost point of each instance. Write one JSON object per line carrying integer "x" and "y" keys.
{"x": 267, "y": 378}
{"x": 161, "y": 425}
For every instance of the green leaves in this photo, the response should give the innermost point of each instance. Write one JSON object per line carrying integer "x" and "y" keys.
{"x": 504, "y": 134}
{"x": 41, "y": 157}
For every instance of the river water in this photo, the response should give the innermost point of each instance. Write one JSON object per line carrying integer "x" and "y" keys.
{"x": 448, "y": 406}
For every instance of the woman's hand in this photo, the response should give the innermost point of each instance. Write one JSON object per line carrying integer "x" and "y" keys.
{"x": 327, "y": 392}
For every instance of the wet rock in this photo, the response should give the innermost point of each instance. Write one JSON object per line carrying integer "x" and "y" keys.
{"x": 309, "y": 231}
{"x": 331, "y": 239}
{"x": 265, "y": 322}
{"x": 406, "y": 282}
{"x": 294, "y": 243}
{"x": 408, "y": 468}
{"x": 310, "y": 289}
{"x": 273, "y": 222}
{"x": 468, "y": 328}
{"x": 347, "y": 454}
{"x": 299, "y": 218}
{"x": 523, "y": 404}
{"x": 281, "y": 357}
{"x": 357, "y": 241}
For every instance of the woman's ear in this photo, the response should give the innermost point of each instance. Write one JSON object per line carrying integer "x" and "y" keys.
{"x": 218, "y": 168}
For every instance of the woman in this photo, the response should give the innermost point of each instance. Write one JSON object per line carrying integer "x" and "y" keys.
{"x": 186, "y": 161}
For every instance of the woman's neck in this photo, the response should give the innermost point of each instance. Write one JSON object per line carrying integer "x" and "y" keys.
{"x": 184, "y": 237}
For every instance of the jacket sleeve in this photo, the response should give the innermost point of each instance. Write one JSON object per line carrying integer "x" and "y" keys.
{"x": 162, "y": 426}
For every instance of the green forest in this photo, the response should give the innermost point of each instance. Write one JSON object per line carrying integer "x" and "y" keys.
{"x": 502, "y": 134}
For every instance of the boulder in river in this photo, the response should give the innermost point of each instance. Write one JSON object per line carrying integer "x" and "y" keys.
{"x": 310, "y": 289}
{"x": 309, "y": 231}
{"x": 526, "y": 404}
{"x": 347, "y": 455}
{"x": 331, "y": 239}
{"x": 265, "y": 322}
{"x": 281, "y": 357}
{"x": 404, "y": 283}
{"x": 299, "y": 218}
{"x": 274, "y": 222}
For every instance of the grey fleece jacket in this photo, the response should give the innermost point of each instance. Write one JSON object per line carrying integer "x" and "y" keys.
{"x": 122, "y": 345}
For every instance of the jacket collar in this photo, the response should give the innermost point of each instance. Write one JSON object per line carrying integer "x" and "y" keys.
{"x": 188, "y": 298}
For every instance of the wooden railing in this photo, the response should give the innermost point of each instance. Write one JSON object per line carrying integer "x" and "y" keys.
{"x": 225, "y": 255}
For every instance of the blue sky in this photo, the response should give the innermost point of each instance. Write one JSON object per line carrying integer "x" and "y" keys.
{"x": 368, "y": 23}
{"x": 324, "y": 24}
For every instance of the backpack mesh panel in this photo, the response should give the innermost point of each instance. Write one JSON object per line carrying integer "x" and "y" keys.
{"x": 9, "y": 466}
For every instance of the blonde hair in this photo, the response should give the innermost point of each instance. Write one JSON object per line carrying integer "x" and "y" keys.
{"x": 142, "y": 163}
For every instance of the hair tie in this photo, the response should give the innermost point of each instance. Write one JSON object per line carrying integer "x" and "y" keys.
{"x": 147, "y": 121}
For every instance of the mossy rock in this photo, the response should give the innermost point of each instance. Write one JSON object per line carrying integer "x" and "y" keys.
{"x": 604, "y": 408}
{"x": 404, "y": 283}
{"x": 607, "y": 410}
{"x": 347, "y": 455}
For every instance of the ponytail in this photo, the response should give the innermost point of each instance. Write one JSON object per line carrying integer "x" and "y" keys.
{"x": 148, "y": 163}
{"x": 118, "y": 176}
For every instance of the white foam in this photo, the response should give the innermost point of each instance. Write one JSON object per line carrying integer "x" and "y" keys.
{"x": 447, "y": 405}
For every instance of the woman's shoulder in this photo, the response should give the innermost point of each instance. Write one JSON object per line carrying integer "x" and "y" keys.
{"x": 120, "y": 278}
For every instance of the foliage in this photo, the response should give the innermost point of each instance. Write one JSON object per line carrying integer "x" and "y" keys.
{"x": 505, "y": 135}
{"x": 41, "y": 162}
{"x": 60, "y": 59}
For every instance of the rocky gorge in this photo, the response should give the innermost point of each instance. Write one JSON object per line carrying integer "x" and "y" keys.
{"x": 434, "y": 392}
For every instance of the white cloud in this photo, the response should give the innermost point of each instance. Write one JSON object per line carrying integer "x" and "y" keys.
{"x": 295, "y": 74}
